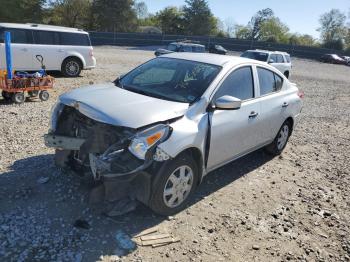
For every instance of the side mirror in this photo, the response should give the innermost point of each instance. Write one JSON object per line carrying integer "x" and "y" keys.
{"x": 271, "y": 61}
{"x": 228, "y": 103}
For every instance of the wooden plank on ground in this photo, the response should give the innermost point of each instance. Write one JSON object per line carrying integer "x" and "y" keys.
{"x": 153, "y": 237}
{"x": 157, "y": 241}
{"x": 148, "y": 231}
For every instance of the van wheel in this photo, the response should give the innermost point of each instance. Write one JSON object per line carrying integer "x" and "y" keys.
{"x": 280, "y": 141}
{"x": 71, "y": 67}
{"x": 177, "y": 181}
{"x": 286, "y": 74}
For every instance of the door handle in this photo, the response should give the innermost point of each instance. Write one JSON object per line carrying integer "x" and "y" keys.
{"x": 253, "y": 114}
{"x": 285, "y": 104}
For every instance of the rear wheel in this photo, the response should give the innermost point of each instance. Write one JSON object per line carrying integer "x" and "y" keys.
{"x": 71, "y": 67}
{"x": 18, "y": 98}
{"x": 175, "y": 185}
{"x": 280, "y": 141}
{"x": 286, "y": 74}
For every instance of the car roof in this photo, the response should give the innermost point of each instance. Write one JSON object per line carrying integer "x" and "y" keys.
{"x": 185, "y": 43}
{"x": 213, "y": 59}
{"x": 42, "y": 27}
{"x": 268, "y": 51}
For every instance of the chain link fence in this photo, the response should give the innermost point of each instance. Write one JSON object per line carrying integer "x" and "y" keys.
{"x": 232, "y": 44}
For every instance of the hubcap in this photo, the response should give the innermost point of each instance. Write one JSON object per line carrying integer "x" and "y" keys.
{"x": 178, "y": 186}
{"x": 283, "y": 137}
{"x": 72, "y": 67}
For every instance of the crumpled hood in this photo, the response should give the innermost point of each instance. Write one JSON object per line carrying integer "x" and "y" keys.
{"x": 116, "y": 106}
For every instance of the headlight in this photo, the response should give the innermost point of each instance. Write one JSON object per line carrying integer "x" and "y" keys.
{"x": 56, "y": 110}
{"x": 144, "y": 140}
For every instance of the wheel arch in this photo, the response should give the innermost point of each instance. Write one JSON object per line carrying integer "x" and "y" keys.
{"x": 291, "y": 121}
{"x": 197, "y": 156}
{"x": 75, "y": 56}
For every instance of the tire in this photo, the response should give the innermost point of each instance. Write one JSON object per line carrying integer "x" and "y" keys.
{"x": 71, "y": 67}
{"x": 169, "y": 203}
{"x": 6, "y": 95}
{"x": 18, "y": 98}
{"x": 44, "y": 95}
{"x": 33, "y": 93}
{"x": 286, "y": 74}
{"x": 281, "y": 140}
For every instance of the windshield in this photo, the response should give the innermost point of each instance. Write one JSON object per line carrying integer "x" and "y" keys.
{"x": 255, "y": 55}
{"x": 170, "y": 79}
{"x": 172, "y": 47}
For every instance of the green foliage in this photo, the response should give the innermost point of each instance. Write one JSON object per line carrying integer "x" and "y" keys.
{"x": 273, "y": 30}
{"x": 332, "y": 26}
{"x": 71, "y": 13}
{"x": 242, "y": 32}
{"x": 171, "y": 20}
{"x": 198, "y": 18}
{"x": 22, "y": 11}
{"x": 114, "y": 15}
{"x": 306, "y": 40}
{"x": 258, "y": 20}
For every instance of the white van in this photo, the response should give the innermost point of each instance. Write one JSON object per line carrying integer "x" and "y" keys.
{"x": 64, "y": 49}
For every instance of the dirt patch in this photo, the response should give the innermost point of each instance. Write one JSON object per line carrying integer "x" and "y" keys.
{"x": 296, "y": 206}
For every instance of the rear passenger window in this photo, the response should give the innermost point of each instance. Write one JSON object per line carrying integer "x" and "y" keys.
{"x": 280, "y": 59}
{"x": 46, "y": 37}
{"x": 75, "y": 39}
{"x": 274, "y": 58}
{"x": 287, "y": 58}
{"x": 269, "y": 82}
{"x": 238, "y": 84}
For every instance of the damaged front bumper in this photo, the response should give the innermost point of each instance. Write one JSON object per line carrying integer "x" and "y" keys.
{"x": 116, "y": 162}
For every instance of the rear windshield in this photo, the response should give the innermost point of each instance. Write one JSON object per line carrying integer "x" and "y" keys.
{"x": 261, "y": 56}
{"x": 170, "y": 79}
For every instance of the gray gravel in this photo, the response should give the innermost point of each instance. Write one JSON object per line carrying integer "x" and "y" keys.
{"x": 293, "y": 207}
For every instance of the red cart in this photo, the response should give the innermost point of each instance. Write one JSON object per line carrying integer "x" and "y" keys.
{"x": 14, "y": 89}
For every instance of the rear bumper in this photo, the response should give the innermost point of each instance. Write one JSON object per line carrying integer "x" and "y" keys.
{"x": 91, "y": 64}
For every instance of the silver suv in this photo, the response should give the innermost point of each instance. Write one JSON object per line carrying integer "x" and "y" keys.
{"x": 280, "y": 60}
{"x": 157, "y": 131}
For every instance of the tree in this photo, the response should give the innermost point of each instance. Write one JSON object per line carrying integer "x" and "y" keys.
{"x": 171, "y": 20}
{"x": 297, "y": 39}
{"x": 114, "y": 15}
{"x": 332, "y": 28}
{"x": 22, "y": 11}
{"x": 230, "y": 26}
{"x": 71, "y": 13}
{"x": 141, "y": 10}
{"x": 242, "y": 32}
{"x": 199, "y": 18}
{"x": 257, "y": 20}
{"x": 273, "y": 30}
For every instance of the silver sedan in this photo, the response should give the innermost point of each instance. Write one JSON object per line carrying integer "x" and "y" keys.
{"x": 154, "y": 133}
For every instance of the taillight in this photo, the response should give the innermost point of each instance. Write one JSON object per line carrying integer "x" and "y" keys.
{"x": 301, "y": 94}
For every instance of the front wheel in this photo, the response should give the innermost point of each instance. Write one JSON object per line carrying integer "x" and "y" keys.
{"x": 175, "y": 185}
{"x": 44, "y": 95}
{"x": 280, "y": 141}
{"x": 18, "y": 98}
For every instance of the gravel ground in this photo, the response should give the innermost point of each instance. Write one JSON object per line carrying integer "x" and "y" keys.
{"x": 293, "y": 207}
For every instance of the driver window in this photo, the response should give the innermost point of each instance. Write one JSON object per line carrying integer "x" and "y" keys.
{"x": 238, "y": 84}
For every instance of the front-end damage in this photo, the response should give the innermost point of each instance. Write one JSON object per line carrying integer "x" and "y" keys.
{"x": 92, "y": 148}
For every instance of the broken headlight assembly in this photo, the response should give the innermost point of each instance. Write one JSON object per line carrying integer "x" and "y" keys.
{"x": 147, "y": 139}
{"x": 55, "y": 112}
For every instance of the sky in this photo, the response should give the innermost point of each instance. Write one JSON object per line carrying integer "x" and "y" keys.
{"x": 300, "y": 15}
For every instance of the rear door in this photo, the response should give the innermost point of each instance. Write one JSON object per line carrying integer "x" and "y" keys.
{"x": 273, "y": 101}
{"x": 21, "y": 42}
{"x": 234, "y": 132}
{"x": 46, "y": 44}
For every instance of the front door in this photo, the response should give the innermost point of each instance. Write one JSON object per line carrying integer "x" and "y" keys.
{"x": 234, "y": 132}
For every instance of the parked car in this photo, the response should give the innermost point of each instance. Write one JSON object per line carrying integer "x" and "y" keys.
{"x": 63, "y": 49}
{"x": 333, "y": 59}
{"x": 280, "y": 60}
{"x": 159, "y": 129}
{"x": 181, "y": 47}
{"x": 217, "y": 49}
{"x": 347, "y": 59}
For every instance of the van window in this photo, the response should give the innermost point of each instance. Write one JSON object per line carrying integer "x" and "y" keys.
{"x": 75, "y": 39}
{"x": 46, "y": 37}
{"x": 280, "y": 59}
{"x": 18, "y": 36}
{"x": 287, "y": 58}
{"x": 274, "y": 58}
